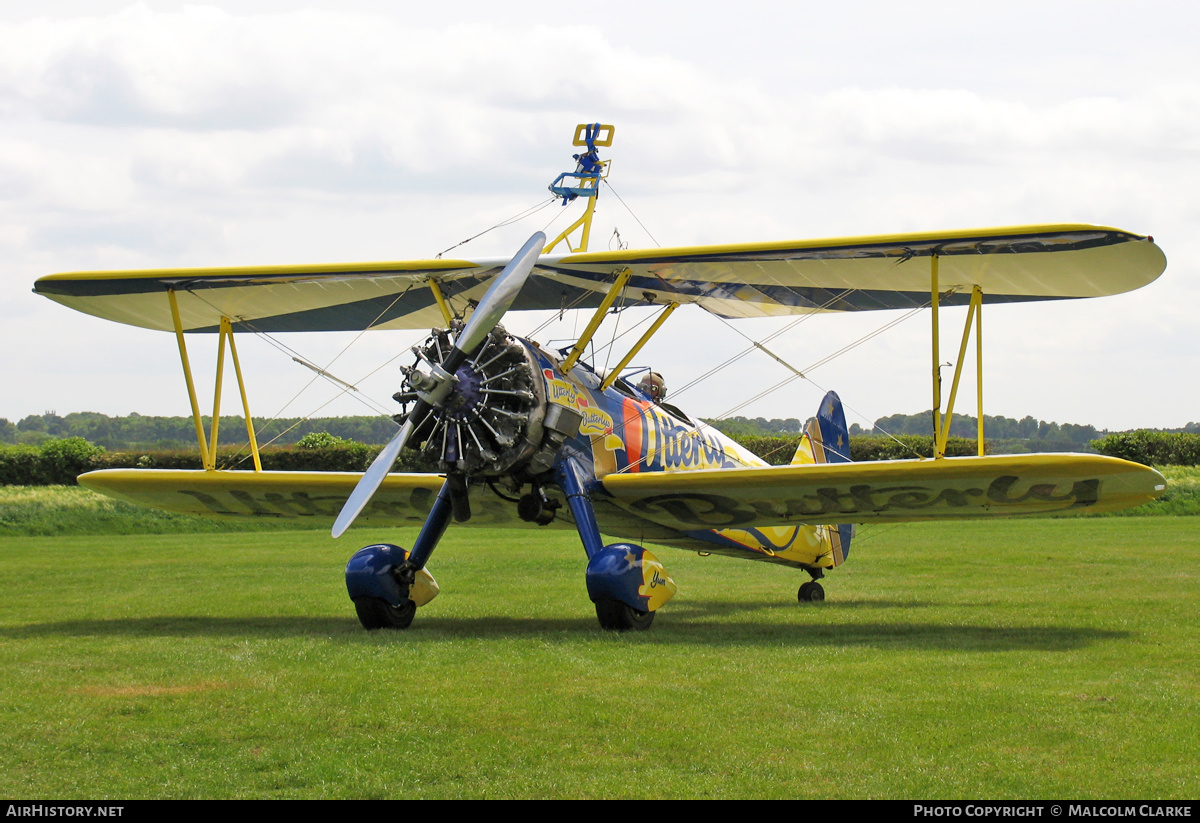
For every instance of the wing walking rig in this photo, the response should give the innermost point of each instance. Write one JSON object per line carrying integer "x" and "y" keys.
{"x": 529, "y": 438}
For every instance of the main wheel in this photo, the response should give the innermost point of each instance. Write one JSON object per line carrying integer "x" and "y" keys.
{"x": 374, "y": 613}
{"x": 616, "y": 616}
{"x": 811, "y": 592}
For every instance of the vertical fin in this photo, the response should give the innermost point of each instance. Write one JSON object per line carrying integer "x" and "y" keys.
{"x": 806, "y": 454}
{"x": 828, "y": 441}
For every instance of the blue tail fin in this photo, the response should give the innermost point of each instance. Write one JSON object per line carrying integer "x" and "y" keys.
{"x": 831, "y": 444}
{"x": 835, "y": 437}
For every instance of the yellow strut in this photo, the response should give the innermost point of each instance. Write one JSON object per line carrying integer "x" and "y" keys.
{"x": 637, "y": 347}
{"x": 596, "y": 320}
{"x": 941, "y": 433}
{"x": 216, "y": 414}
{"x": 944, "y": 434}
{"x": 585, "y": 220}
{"x": 937, "y": 368}
{"x": 978, "y": 292}
{"x": 208, "y": 449}
{"x": 187, "y": 375}
{"x": 237, "y": 369}
{"x": 441, "y": 301}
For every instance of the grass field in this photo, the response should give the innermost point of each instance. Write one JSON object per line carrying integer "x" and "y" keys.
{"x": 1020, "y": 659}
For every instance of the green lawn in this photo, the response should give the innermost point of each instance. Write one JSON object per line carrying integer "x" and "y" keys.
{"x": 1019, "y": 659}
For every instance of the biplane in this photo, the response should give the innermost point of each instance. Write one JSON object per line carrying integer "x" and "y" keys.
{"x": 528, "y": 437}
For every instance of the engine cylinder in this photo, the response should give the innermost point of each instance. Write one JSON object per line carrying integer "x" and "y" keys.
{"x": 491, "y": 422}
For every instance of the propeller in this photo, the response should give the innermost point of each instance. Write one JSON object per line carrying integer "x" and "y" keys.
{"x": 433, "y": 388}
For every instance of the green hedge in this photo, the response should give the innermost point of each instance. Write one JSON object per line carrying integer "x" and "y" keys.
{"x": 778, "y": 449}
{"x": 54, "y": 463}
{"x": 1153, "y": 448}
{"x": 59, "y": 462}
{"x": 21, "y": 466}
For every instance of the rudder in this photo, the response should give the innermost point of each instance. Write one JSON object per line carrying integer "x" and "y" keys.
{"x": 826, "y": 439}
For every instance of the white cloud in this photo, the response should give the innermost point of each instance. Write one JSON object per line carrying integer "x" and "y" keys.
{"x": 206, "y": 135}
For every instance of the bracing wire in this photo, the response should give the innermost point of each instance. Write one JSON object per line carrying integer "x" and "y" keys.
{"x": 631, "y": 214}
{"x": 806, "y": 373}
{"x": 802, "y": 318}
{"x": 529, "y": 212}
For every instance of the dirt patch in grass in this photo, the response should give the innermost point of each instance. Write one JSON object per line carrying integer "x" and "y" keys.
{"x": 150, "y": 691}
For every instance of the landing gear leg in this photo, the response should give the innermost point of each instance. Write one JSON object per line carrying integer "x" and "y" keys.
{"x": 626, "y": 582}
{"x": 382, "y": 580}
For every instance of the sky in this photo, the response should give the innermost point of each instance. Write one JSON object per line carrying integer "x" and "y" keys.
{"x": 164, "y": 134}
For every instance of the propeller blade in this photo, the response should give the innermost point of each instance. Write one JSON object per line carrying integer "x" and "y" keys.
{"x": 500, "y": 295}
{"x": 496, "y": 301}
{"x": 372, "y": 479}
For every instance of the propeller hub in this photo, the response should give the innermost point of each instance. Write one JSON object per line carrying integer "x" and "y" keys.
{"x": 463, "y": 404}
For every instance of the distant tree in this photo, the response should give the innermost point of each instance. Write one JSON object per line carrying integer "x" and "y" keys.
{"x": 1028, "y": 427}
{"x": 1047, "y": 431}
{"x": 319, "y": 440}
{"x": 32, "y": 423}
{"x": 1078, "y": 434}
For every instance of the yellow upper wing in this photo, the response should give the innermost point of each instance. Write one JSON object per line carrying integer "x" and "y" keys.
{"x": 747, "y": 280}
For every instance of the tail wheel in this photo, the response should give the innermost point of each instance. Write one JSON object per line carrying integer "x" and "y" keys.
{"x": 375, "y": 613}
{"x": 619, "y": 617}
{"x": 811, "y": 592}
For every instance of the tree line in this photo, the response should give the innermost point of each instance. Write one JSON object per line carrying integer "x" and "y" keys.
{"x": 1037, "y": 435}
{"x": 145, "y": 432}
{"x": 137, "y": 431}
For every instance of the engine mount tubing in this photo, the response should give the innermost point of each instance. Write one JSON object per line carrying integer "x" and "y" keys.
{"x": 568, "y": 475}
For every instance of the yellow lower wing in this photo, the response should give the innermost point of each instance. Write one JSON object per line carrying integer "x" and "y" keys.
{"x": 403, "y": 499}
{"x": 886, "y": 492}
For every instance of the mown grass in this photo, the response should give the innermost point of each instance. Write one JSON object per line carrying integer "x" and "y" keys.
{"x": 1018, "y": 659}
{"x": 66, "y": 510}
